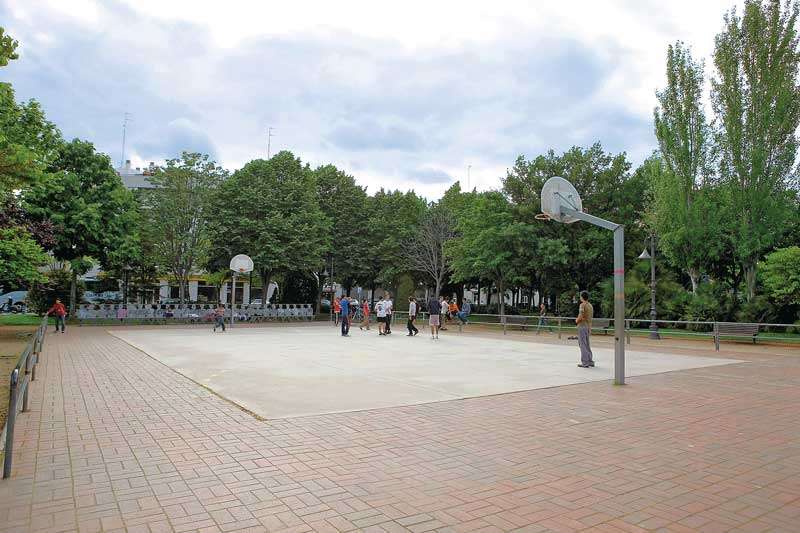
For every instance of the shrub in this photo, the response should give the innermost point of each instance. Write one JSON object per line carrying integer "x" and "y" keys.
{"x": 43, "y": 295}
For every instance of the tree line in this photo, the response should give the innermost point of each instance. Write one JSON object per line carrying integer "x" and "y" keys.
{"x": 719, "y": 195}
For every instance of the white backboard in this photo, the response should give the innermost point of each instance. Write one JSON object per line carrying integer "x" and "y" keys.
{"x": 559, "y": 192}
{"x": 242, "y": 264}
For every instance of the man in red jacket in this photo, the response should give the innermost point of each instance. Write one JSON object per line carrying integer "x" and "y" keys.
{"x": 60, "y": 311}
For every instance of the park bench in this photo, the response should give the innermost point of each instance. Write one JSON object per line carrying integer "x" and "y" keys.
{"x": 602, "y": 323}
{"x": 734, "y": 329}
{"x": 520, "y": 320}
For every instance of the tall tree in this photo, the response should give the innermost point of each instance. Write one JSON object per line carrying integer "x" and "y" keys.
{"x": 85, "y": 200}
{"x": 287, "y": 234}
{"x": 756, "y": 97}
{"x": 488, "y": 244}
{"x": 178, "y": 215}
{"x": 425, "y": 250}
{"x": 344, "y": 205}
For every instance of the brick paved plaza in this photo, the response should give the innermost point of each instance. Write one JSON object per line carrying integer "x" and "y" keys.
{"x": 115, "y": 440}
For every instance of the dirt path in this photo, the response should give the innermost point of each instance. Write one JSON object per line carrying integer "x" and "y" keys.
{"x": 11, "y": 346}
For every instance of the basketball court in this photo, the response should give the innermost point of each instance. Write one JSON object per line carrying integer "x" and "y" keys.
{"x": 301, "y": 370}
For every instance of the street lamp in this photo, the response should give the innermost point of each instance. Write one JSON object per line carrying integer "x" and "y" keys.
{"x": 652, "y": 257}
{"x": 127, "y": 268}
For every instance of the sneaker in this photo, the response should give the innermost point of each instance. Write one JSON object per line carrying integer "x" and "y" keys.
{"x": 591, "y": 364}
{"x": 582, "y": 365}
{"x": 410, "y": 335}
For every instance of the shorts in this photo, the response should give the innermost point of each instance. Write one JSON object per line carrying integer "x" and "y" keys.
{"x": 434, "y": 320}
{"x": 381, "y": 319}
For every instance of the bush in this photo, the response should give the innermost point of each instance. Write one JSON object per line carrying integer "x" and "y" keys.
{"x": 713, "y": 302}
{"x": 43, "y": 295}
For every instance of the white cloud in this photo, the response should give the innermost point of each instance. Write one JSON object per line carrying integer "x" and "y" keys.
{"x": 401, "y": 96}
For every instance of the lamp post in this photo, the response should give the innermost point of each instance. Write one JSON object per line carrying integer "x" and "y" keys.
{"x": 652, "y": 257}
{"x": 127, "y": 268}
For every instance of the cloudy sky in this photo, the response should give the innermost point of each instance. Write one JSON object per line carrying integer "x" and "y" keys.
{"x": 404, "y": 97}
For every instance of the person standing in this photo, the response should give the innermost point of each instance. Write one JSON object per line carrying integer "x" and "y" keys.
{"x": 543, "y": 319}
{"x": 365, "y": 313}
{"x": 344, "y": 305}
{"x": 389, "y": 305}
{"x": 444, "y": 305}
{"x": 60, "y": 313}
{"x": 219, "y": 317}
{"x": 466, "y": 309}
{"x": 412, "y": 316}
{"x": 380, "y": 311}
{"x": 435, "y": 309}
{"x": 584, "y": 322}
{"x": 337, "y": 309}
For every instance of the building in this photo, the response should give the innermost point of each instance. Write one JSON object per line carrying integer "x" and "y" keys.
{"x": 136, "y": 178}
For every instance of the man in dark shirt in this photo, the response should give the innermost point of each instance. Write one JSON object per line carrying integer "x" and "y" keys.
{"x": 434, "y": 308}
{"x": 344, "y": 303}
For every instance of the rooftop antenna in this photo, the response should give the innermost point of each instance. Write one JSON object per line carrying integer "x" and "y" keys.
{"x": 469, "y": 167}
{"x": 269, "y": 141}
{"x": 126, "y": 118}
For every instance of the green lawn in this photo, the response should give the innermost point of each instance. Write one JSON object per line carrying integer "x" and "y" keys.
{"x": 21, "y": 320}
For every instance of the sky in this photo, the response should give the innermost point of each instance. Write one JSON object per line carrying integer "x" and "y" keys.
{"x": 401, "y": 95}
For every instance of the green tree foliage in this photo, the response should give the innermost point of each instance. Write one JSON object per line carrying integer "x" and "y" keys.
{"x": 393, "y": 218}
{"x": 567, "y": 257}
{"x": 8, "y": 48}
{"x": 56, "y": 284}
{"x": 344, "y": 205}
{"x": 85, "y": 200}
{"x": 20, "y": 257}
{"x": 178, "y": 215}
{"x": 488, "y": 244}
{"x": 756, "y": 97}
{"x": 780, "y": 273}
{"x": 287, "y": 233}
{"x": 686, "y": 214}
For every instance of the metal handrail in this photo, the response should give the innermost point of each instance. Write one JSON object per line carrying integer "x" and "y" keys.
{"x": 24, "y": 372}
{"x": 567, "y": 323}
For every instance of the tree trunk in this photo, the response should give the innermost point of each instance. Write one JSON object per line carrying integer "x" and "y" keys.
{"x": 750, "y": 279}
{"x": 181, "y": 291}
{"x": 694, "y": 276}
{"x": 73, "y": 293}
{"x": 438, "y": 286}
{"x": 501, "y": 297}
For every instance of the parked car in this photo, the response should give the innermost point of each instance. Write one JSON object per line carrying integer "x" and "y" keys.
{"x": 13, "y": 302}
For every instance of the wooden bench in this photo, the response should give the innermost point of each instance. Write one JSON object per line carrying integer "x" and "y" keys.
{"x": 734, "y": 329}
{"x": 519, "y": 320}
{"x": 602, "y": 323}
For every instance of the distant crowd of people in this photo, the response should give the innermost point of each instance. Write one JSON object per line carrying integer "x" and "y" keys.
{"x": 441, "y": 311}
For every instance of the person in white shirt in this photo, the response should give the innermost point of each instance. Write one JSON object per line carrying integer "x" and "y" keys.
{"x": 380, "y": 311}
{"x": 389, "y": 305}
{"x": 412, "y": 315}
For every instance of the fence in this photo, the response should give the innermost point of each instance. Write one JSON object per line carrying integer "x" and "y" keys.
{"x": 715, "y": 331}
{"x": 21, "y": 376}
{"x": 188, "y": 313}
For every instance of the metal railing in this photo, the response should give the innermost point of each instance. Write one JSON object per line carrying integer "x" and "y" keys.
{"x": 565, "y": 324}
{"x": 21, "y": 376}
{"x": 97, "y": 314}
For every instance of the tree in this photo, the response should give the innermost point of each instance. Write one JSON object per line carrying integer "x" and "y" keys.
{"x": 288, "y": 234}
{"x": 425, "y": 251}
{"x": 781, "y": 275}
{"x": 344, "y": 205}
{"x": 393, "y": 218}
{"x": 20, "y": 257}
{"x": 756, "y": 98}
{"x": 178, "y": 214}
{"x": 8, "y": 48}
{"x": 488, "y": 244}
{"x": 83, "y": 197}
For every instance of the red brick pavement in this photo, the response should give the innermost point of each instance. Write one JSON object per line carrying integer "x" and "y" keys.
{"x": 117, "y": 441}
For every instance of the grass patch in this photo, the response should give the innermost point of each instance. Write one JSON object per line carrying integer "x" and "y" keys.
{"x": 12, "y": 344}
{"x": 22, "y": 320}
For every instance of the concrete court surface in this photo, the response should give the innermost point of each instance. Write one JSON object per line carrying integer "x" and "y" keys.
{"x": 307, "y": 370}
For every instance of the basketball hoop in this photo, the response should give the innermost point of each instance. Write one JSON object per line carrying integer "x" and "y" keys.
{"x": 241, "y": 264}
{"x": 543, "y": 216}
